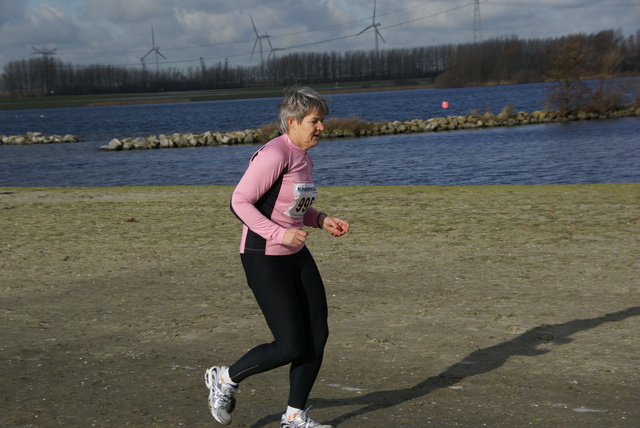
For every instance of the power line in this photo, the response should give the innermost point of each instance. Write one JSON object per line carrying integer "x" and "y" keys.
{"x": 408, "y": 7}
{"x": 426, "y": 17}
{"x": 357, "y": 21}
{"x": 297, "y": 46}
{"x": 344, "y": 24}
{"x": 389, "y": 26}
{"x": 560, "y": 5}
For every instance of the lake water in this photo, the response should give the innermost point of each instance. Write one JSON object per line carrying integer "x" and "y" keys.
{"x": 576, "y": 152}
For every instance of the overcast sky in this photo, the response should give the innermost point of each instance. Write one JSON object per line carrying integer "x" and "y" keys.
{"x": 118, "y": 32}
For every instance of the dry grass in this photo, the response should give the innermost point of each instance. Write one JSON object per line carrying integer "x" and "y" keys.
{"x": 489, "y": 299}
{"x": 353, "y": 123}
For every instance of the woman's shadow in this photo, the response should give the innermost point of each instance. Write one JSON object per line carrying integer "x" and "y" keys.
{"x": 476, "y": 363}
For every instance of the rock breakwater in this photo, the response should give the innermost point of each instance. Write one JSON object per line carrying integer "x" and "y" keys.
{"x": 209, "y": 138}
{"x": 36, "y": 138}
{"x": 357, "y": 128}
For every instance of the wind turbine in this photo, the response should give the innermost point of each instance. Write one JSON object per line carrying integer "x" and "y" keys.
{"x": 259, "y": 41}
{"x": 155, "y": 49}
{"x": 375, "y": 26}
{"x": 273, "y": 50}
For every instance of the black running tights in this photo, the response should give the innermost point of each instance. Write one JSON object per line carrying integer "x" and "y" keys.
{"x": 291, "y": 295}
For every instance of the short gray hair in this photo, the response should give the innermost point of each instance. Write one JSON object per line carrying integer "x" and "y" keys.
{"x": 298, "y": 102}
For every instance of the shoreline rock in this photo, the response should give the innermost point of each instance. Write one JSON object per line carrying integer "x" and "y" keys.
{"x": 366, "y": 129}
{"x": 36, "y": 138}
{"x": 163, "y": 141}
{"x": 363, "y": 129}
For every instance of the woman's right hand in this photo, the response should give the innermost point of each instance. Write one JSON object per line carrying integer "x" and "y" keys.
{"x": 294, "y": 237}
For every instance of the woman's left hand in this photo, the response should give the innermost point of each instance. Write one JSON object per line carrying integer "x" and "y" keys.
{"x": 336, "y": 226}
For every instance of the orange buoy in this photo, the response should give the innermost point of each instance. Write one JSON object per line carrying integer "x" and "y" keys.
{"x": 445, "y": 104}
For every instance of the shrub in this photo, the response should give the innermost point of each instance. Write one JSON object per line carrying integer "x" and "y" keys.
{"x": 355, "y": 124}
{"x": 601, "y": 100}
{"x": 268, "y": 132}
{"x": 507, "y": 111}
{"x": 350, "y": 123}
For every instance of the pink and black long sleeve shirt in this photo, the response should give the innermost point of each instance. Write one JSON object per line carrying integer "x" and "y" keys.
{"x": 275, "y": 194}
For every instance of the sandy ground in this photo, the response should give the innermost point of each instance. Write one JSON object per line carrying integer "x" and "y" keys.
{"x": 500, "y": 306}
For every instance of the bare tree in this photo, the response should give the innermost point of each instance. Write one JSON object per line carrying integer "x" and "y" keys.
{"x": 571, "y": 61}
{"x": 567, "y": 61}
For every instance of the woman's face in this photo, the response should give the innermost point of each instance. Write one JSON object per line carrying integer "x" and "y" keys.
{"x": 306, "y": 133}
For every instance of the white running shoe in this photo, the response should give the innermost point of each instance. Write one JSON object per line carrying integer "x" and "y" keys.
{"x": 221, "y": 400}
{"x": 302, "y": 420}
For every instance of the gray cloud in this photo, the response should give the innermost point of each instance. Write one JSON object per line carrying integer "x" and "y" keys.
{"x": 119, "y": 31}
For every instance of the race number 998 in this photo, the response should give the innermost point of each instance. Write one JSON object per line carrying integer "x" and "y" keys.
{"x": 304, "y": 195}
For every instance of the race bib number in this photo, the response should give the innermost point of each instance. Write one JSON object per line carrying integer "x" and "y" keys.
{"x": 304, "y": 194}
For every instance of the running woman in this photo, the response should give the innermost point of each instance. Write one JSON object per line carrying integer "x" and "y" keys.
{"x": 274, "y": 201}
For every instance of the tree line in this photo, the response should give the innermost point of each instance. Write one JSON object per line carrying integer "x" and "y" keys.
{"x": 495, "y": 61}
